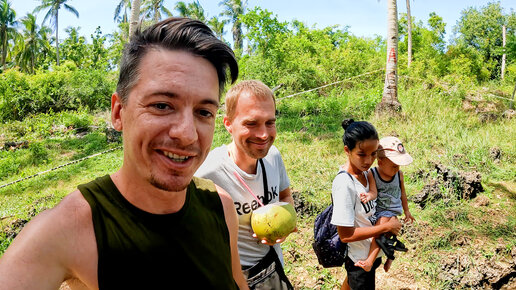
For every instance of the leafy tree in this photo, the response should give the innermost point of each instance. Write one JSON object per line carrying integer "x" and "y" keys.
{"x": 438, "y": 29}
{"x": 192, "y": 10}
{"x": 74, "y": 47}
{"x": 7, "y": 26}
{"x": 117, "y": 41}
{"x": 154, "y": 8}
{"x": 264, "y": 31}
{"x": 510, "y": 47}
{"x": 428, "y": 46}
{"x": 234, "y": 9}
{"x": 303, "y": 58}
{"x": 123, "y": 5}
{"x": 53, "y": 7}
{"x": 481, "y": 29}
{"x": 98, "y": 52}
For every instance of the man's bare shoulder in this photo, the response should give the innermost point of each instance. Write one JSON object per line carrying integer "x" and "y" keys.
{"x": 76, "y": 205}
{"x": 56, "y": 245}
{"x": 225, "y": 198}
{"x": 65, "y": 219}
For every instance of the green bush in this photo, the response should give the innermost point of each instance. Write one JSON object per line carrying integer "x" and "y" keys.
{"x": 65, "y": 88}
{"x": 39, "y": 154}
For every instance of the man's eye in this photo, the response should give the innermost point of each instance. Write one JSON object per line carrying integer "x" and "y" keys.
{"x": 161, "y": 106}
{"x": 206, "y": 113}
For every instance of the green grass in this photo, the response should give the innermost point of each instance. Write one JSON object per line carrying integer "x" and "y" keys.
{"x": 434, "y": 127}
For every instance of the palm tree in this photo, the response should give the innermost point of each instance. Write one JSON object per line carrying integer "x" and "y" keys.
{"x": 135, "y": 16}
{"x": 53, "y": 7}
{"x": 122, "y": 6}
{"x": 390, "y": 103}
{"x": 193, "y": 10}
{"x": 218, "y": 27}
{"x": 233, "y": 9}
{"x": 154, "y": 8}
{"x": 45, "y": 46}
{"x": 26, "y": 58}
{"x": 7, "y": 24}
{"x": 409, "y": 34}
{"x": 504, "y": 56}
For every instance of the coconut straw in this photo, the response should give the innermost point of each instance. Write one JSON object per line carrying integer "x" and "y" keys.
{"x": 245, "y": 185}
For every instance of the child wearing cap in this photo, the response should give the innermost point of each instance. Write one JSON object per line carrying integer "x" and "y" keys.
{"x": 391, "y": 199}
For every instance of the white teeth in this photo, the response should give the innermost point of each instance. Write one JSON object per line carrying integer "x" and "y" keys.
{"x": 175, "y": 157}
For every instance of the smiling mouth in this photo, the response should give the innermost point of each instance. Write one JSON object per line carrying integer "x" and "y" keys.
{"x": 259, "y": 142}
{"x": 175, "y": 157}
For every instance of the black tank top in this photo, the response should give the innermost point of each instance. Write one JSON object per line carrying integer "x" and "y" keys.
{"x": 139, "y": 250}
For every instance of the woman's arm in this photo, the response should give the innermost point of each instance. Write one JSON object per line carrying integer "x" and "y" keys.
{"x": 353, "y": 234}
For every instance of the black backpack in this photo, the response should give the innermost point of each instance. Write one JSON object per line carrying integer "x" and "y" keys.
{"x": 328, "y": 248}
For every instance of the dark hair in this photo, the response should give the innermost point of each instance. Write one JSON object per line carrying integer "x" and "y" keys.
{"x": 355, "y": 132}
{"x": 175, "y": 34}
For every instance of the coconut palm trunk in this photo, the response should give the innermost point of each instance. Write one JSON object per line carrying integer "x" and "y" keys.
{"x": 409, "y": 35}
{"x": 135, "y": 16}
{"x": 57, "y": 36}
{"x": 504, "y": 55}
{"x": 390, "y": 103}
{"x": 4, "y": 47}
{"x": 237, "y": 35}
{"x": 233, "y": 9}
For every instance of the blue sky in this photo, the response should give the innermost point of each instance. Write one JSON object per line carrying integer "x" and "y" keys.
{"x": 364, "y": 17}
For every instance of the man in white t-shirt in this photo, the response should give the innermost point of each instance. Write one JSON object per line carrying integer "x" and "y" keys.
{"x": 251, "y": 120}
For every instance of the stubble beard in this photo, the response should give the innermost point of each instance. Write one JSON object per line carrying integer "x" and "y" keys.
{"x": 256, "y": 154}
{"x": 167, "y": 186}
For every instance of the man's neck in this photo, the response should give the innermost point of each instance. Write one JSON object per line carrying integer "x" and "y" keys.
{"x": 244, "y": 162}
{"x": 145, "y": 196}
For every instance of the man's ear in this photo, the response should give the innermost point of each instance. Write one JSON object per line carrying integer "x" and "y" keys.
{"x": 116, "y": 111}
{"x": 227, "y": 124}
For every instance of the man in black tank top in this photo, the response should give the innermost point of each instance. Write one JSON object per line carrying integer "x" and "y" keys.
{"x": 151, "y": 224}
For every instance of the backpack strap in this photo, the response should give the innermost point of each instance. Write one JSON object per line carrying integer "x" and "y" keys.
{"x": 351, "y": 177}
{"x": 340, "y": 171}
{"x": 264, "y": 178}
{"x": 344, "y": 171}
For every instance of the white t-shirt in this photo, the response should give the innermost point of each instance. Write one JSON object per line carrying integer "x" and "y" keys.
{"x": 349, "y": 211}
{"x": 220, "y": 168}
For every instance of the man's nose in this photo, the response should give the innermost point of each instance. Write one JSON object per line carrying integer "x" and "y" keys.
{"x": 184, "y": 129}
{"x": 261, "y": 132}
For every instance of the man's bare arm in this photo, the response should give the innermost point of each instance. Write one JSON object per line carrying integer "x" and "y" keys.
{"x": 232, "y": 224}
{"x": 286, "y": 196}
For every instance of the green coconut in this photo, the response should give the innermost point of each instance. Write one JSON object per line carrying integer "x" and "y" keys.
{"x": 274, "y": 221}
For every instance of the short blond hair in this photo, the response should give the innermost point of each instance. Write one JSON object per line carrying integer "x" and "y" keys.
{"x": 257, "y": 88}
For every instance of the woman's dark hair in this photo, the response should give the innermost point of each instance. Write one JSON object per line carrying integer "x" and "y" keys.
{"x": 355, "y": 132}
{"x": 175, "y": 34}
